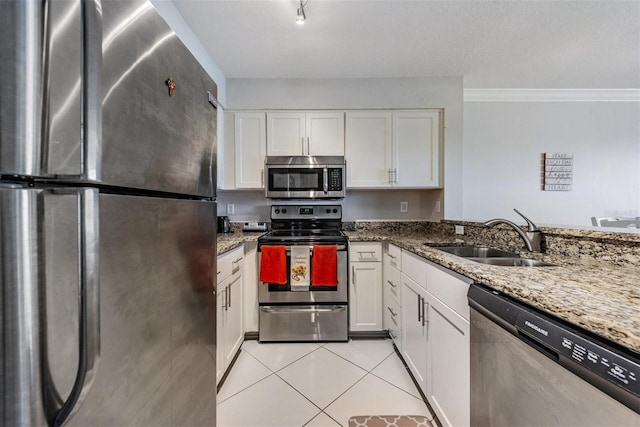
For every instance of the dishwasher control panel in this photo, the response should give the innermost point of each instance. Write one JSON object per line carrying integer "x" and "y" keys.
{"x": 614, "y": 367}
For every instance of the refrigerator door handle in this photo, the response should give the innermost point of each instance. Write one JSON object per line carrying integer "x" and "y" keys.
{"x": 91, "y": 89}
{"x": 89, "y": 303}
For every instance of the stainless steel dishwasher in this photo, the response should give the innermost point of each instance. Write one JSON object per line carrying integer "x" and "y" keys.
{"x": 530, "y": 369}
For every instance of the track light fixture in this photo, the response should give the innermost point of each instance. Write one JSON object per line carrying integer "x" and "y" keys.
{"x": 301, "y": 16}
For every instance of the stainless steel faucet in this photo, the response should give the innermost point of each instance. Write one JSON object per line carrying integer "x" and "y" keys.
{"x": 532, "y": 237}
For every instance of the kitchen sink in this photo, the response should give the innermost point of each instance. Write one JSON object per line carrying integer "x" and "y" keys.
{"x": 491, "y": 256}
{"x": 512, "y": 262}
{"x": 476, "y": 252}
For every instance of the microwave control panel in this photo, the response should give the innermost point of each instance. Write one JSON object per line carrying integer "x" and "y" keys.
{"x": 335, "y": 179}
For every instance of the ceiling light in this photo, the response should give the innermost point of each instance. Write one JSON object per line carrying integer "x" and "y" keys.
{"x": 301, "y": 17}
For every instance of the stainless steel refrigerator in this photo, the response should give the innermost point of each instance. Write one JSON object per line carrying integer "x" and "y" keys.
{"x": 107, "y": 218}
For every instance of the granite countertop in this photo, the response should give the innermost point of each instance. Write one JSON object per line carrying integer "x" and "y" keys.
{"x": 229, "y": 241}
{"x": 600, "y": 297}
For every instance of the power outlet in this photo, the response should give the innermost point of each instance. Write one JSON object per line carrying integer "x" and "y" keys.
{"x": 459, "y": 229}
{"x": 231, "y": 209}
{"x": 404, "y": 206}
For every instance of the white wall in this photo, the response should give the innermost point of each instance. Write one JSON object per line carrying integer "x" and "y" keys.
{"x": 503, "y": 144}
{"x": 446, "y": 92}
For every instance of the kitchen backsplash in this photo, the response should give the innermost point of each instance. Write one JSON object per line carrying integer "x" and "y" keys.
{"x": 614, "y": 247}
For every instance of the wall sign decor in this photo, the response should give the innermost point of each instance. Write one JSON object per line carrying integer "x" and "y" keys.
{"x": 557, "y": 171}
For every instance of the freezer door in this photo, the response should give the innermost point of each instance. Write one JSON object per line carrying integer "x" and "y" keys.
{"x": 159, "y": 114}
{"x": 157, "y": 364}
{"x": 50, "y": 109}
{"x": 49, "y": 303}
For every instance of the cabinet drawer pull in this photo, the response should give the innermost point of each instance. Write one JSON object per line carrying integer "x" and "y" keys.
{"x": 393, "y": 313}
{"x": 393, "y": 285}
{"x": 392, "y": 256}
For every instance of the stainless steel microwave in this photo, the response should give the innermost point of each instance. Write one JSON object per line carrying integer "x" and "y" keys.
{"x": 305, "y": 177}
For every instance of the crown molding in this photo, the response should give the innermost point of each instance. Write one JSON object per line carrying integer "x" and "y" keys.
{"x": 551, "y": 95}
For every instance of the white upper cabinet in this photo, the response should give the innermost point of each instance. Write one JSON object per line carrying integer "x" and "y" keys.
{"x": 387, "y": 149}
{"x": 250, "y": 149}
{"x": 368, "y": 148}
{"x": 300, "y": 133}
{"x": 416, "y": 149}
{"x": 286, "y": 133}
{"x": 325, "y": 133}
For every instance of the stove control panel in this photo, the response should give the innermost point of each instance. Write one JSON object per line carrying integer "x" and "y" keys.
{"x": 302, "y": 212}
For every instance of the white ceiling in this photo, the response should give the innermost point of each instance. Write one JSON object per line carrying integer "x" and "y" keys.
{"x": 493, "y": 44}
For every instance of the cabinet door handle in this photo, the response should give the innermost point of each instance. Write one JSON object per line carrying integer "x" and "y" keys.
{"x": 228, "y": 297}
{"x": 308, "y": 147}
{"x": 262, "y": 178}
{"x": 419, "y": 308}
{"x": 393, "y": 285}
{"x": 353, "y": 277}
{"x": 425, "y": 315}
{"x": 302, "y": 144}
{"x": 393, "y": 313}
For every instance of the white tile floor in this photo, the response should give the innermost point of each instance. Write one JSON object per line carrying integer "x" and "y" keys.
{"x": 316, "y": 385}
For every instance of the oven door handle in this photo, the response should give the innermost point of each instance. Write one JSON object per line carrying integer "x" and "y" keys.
{"x": 303, "y": 310}
{"x": 341, "y": 247}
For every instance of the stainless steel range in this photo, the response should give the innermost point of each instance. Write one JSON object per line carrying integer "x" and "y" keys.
{"x": 304, "y": 305}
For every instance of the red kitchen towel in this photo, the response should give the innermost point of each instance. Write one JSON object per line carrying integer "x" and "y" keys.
{"x": 324, "y": 265}
{"x": 273, "y": 264}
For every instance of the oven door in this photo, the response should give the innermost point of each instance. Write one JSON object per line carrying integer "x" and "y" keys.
{"x": 271, "y": 293}
{"x": 304, "y": 182}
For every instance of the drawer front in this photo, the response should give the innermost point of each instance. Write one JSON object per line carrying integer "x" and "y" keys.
{"x": 303, "y": 323}
{"x": 415, "y": 268}
{"x": 365, "y": 252}
{"x": 230, "y": 263}
{"x": 450, "y": 289}
{"x": 393, "y": 321}
{"x": 394, "y": 257}
{"x": 391, "y": 284}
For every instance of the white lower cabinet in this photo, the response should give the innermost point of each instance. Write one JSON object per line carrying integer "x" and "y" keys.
{"x": 448, "y": 375}
{"x": 414, "y": 329}
{"x": 229, "y": 309}
{"x": 435, "y": 336}
{"x": 392, "y": 294}
{"x": 250, "y": 288}
{"x": 365, "y": 286}
{"x": 448, "y": 357}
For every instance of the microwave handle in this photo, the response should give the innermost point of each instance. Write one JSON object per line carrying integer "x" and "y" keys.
{"x": 325, "y": 180}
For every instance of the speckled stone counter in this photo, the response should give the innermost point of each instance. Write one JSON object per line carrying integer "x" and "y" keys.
{"x": 600, "y": 293}
{"x": 228, "y": 241}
